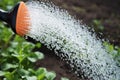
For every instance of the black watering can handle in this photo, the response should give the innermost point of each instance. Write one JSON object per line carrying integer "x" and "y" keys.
{"x": 9, "y": 17}
{"x": 4, "y": 16}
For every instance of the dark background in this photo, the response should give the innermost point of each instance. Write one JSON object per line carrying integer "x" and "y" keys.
{"x": 106, "y": 12}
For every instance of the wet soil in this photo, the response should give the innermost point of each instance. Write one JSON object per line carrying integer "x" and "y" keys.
{"x": 107, "y": 11}
{"x": 54, "y": 63}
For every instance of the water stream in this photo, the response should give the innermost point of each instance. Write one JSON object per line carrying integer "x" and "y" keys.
{"x": 72, "y": 41}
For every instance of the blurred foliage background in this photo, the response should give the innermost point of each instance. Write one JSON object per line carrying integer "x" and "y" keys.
{"x": 7, "y": 4}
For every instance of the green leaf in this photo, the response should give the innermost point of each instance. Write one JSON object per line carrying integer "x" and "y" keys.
{"x": 20, "y": 57}
{"x": 27, "y": 46}
{"x": 32, "y": 59}
{"x": 39, "y": 55}
{"x": 8, "y": 66}
{"x": 9, "y": 76}
{"x": 111, "y": 48}
{"x": 50, "y": 75}
{"x": 40, "y": 73}
{"x": 2, "y": 73}
{"x": 38, "y": 45}
{"x": 64, "y": 78}
{"x": 35, "y": 56}
{"x": 31, "y": 71}
{"x": 31, "y": 77}
{"x": 14, "y": 44}
{"x": 23, "y": 72}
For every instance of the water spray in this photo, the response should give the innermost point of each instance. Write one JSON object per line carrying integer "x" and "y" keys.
{"x": 69, "y": 39}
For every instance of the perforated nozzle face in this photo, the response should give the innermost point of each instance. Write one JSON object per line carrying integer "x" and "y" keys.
{"x": 22, "y": 19}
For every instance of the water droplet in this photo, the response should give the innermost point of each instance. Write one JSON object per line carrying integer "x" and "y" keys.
{"x": 59, "y": 31}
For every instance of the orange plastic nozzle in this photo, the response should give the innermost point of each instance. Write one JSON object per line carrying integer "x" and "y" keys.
{"x": 22, "y": 20}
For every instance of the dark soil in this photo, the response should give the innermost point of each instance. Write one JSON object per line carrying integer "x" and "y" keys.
{"x": 107, "y": 11}
{"x": 54, "y": 63}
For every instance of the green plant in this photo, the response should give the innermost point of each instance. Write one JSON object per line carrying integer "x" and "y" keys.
{"x": 7, "y": 4}
{"x": 98, "y": 25}
{"x": 64, "y": 78}
{"x": 17, "y": 58}
{"x": 114, "y": 51}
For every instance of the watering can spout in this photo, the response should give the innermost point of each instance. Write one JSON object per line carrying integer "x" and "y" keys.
{"x": 17, "y": 18}
{"x": 3, "y": 16}
{"x": 10, "y": 16}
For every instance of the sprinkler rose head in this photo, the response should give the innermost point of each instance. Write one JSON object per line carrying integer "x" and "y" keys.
{"x": 18, "y": 18}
